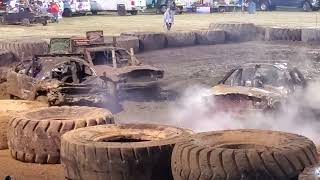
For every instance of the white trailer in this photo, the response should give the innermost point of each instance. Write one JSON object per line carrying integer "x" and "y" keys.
{"x": 120, "y": 6}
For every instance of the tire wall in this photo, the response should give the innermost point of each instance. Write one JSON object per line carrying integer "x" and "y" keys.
{"x": 180, "y": 39}
{"x": 278, "y": 33}
{"x": 310, "y": 34}
{"x": 148, "y": 40}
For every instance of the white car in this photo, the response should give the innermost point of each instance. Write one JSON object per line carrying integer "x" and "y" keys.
{"x": 120, "y": 6}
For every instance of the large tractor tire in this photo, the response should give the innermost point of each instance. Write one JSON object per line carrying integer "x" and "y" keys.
{"x": 7, "y": 58}
{"x": 125, "y": 42}
{"x": 310, "y": 173}
{"x": 243, "y": 154}
{"x": 34, "y": 136}
{"x": 209, "y": 37}
{"x": 149, "y": 40}
{"x": 25, "y": 49}
{"x": 236, "y": 32}
{"x": 310, "y": 34}
{"x": 180, "y": 39}
{"x": 10, "y": 108}
{"x": 122, "y": 152}
{"x": 280, "y": 33}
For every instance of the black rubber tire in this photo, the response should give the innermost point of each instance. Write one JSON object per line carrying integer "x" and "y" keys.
{"x": 122, "y": 152}
{"x": 264, "y": 5}
{"x": 243, "y": 154}
{"x": 280, "y": 33}
{"x": 121, "y": 10}
{"x": 34, "y": 136}
{"x": 10, "y": 108}
{"x": 133, "y": 13}
{"x": 310, "y": 173}
{"x": 24, "y": 49}
{"x": 67, "y": 13}
{"x": 25, "y": 22}
{"x": 7, "y": 58}
{"x": 306, "y": 6}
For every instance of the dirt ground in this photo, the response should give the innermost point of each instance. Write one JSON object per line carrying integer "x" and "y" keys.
{"x": 113, "y": 25}
{"x": 184, "y": 67}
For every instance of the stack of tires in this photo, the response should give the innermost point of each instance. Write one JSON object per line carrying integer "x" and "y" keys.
{"x": 90, "y": 146}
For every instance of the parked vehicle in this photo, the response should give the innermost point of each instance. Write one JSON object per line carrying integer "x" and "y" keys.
{"x": 25, "y": 18}
{"x": 76, "y": 7}
{"x": 122, "y": 7}
{"x": 176, "y": 5}
{"x": 306, "y": 5}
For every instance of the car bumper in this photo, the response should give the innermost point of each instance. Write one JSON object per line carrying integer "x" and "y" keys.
{"x": 137, "y": 85}
{"x": 79, "y": 99}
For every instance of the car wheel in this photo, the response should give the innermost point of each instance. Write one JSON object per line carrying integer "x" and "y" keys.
{"x": 25, "y": 22}
{"x": 67, "y": 13}
{"x": 134, "y": 12}
{"x": 306, "y": 6}
{"x": 264, "y": 6}
{"x": 2, "y": 21}
{"x": 94, "y": 12}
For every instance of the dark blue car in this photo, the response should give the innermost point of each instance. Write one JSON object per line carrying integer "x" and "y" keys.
{"x": 306, "y": 5}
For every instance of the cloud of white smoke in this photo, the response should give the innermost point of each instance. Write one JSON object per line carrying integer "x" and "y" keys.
{"x": 197, "y": 113}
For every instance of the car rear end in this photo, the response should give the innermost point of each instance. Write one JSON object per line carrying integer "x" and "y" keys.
{"x": 79, "y": 94}
{"x": 140, "y": 79}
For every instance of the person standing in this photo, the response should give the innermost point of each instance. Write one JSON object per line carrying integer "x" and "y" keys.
{"x": 54, "y": 10}
{"x": 168, "y": 18}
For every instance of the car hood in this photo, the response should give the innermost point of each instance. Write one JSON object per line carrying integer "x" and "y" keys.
{"x": 115, "y": 73}
{"x": 266, "y": 92}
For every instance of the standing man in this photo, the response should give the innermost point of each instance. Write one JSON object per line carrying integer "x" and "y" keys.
{"x": 54, "y": 10}
{"x": 168, "y": 18}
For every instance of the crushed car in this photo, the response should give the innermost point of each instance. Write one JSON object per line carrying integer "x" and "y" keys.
{"x": 120, "y": 69}
{"x": 58, "y": 80}
{"x": 255, "y": 87}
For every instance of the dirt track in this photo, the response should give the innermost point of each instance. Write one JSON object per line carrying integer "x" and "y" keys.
{"x": 184, "y": 67}
{"x": 205, "y": 65}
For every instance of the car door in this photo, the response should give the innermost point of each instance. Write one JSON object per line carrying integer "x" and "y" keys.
{"x": 21, "y": 85}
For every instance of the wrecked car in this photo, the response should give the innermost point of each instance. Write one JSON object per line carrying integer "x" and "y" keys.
{"x": 257, "y": 86}
{"x": 120, "y": 69}
{"x": 58, "y": 80}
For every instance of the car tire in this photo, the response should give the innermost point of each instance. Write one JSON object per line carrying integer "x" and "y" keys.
{"x": 94, "y": 12}
{"x": 243, "y": 154}
{"x": 67, "y": 13}
{"x": 306, "y": 6}
{"x": 25, "y": 22}
{"x": 123, "y": 151}
{"x": 264, "y": 6}
{"x": 2, "y": 20}
{"x": 34, "y": 136}
{"x": 121, "y": 10}
{"x": 133, "y": 13}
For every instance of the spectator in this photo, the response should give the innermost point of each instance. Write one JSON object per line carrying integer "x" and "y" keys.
{"x": 54, "y": 10}
{"x": 168, "y": 18}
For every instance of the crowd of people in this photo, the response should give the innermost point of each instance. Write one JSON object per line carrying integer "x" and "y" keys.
{"x": 54, "y": 7}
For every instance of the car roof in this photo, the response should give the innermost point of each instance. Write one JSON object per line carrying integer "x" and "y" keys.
{"x": 282, "y": 66}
